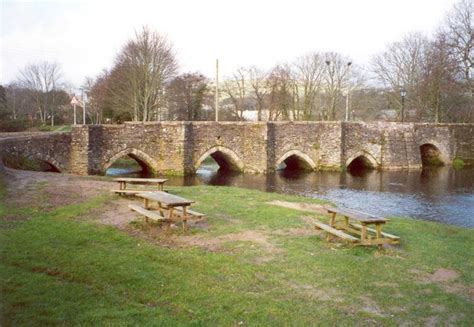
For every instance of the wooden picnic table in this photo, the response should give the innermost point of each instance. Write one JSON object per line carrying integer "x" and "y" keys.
{"x": 357, "y": 222}
{"x": 142, "y": 181}
{"x": 172, "y": 204}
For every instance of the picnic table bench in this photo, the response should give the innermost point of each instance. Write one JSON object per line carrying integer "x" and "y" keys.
{"x": 356, "y": 222}
{"x": 171, "y": 208}
{"x": 141, "y": 181}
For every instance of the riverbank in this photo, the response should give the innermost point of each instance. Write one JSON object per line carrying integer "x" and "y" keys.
{"x": 72, "y": 253}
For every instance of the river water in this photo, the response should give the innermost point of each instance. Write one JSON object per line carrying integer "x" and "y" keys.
{"x": 437, "y": 194}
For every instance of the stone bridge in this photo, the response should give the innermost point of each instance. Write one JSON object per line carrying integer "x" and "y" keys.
{"x": 180, "y": 147}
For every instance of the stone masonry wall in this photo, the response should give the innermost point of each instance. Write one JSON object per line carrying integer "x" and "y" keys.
{"x": 320, "y": 141}
{"x": 53, "y": 148}
{"x": 179, "y": 147}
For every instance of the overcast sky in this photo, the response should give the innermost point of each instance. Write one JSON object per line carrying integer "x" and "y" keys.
{"x": 85, "y": 36}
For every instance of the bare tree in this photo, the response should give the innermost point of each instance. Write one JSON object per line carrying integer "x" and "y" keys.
{"x": 280, "y": 95}
{"x": 236, "y": 90}
{"x": 309, "y": 73}
{"x": 402, "y": 66}
{"x": 259, "y": 88}
{"x": 186, "y": 96}
{"x": 141, "y": 71}
{"x": 336, "y": 79}
{"x": 43, "y": 80}
{"x": 459, "y": 33}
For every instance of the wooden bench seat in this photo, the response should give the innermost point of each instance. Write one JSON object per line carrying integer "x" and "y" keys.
{"x": 386, "y": 235}
{"x": 336, "y": 232}
{"x": 129, "y": 191}
{"x": 148, "y": 213}
{"x": 196, "y": 214}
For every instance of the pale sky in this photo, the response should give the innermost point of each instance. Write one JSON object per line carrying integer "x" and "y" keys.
{"x": 85, "y": 36}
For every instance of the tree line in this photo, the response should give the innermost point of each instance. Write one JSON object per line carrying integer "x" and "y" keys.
{"x": 430, "y": 75}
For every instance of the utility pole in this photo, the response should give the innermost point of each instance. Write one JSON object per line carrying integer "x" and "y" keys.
{"x": 75, "y": 113}
{"x": 84, "y": 95}
{"x": 217, "y": 90}
{"x": 74, "y": 102}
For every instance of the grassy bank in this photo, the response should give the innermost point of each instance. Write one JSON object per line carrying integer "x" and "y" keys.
{"x": 58, "y": 269}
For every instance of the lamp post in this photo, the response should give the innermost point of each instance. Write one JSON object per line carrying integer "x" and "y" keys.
{"x": 403, "y": 94}
{"x": 348, "y": 89}
{"x": 331, "y": 76}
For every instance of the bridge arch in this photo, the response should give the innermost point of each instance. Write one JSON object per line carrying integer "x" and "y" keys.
{"x": 295, "y": 159}
{"x": 225, "y": 158}
{"x": 431, "y": 155}
{"x": 35, "y": 162}
{"x": 362, "y": 159}
{"x": 146, "y": 162}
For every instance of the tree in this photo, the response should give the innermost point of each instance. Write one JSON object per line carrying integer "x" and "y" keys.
{"x": 258, "y": 88}
{"x": 438, "y": 83}
{"x": 401, "y": 66}
{"x": 141, "y": 71}
{"x": 459, "y": 34}
{"x": 186, "y": 95}
{"x": 336, "y": 79}
{"x": 309, "y": 73}
{"x": 280, "y": 95}
{"x": 3, "y": 103}
{"x": 236, "y": 90}
{"x": 43, "y": 80}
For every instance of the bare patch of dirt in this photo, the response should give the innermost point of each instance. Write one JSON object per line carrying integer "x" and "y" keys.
{"x": 370, "y": 306}
{"x": 311, "y": 207}
{"x": 50, "y": 190}
{"x": 115, "y": 213}
{"x": 431, "y": 321}
{"x": 216, "y": 244}
{"x": 445, "y": 279}
{"x": 315, "y": 293}
{"x": 441, "y": 275}
{"x": 296, "y": 232}
{"x": 385, "y": 284}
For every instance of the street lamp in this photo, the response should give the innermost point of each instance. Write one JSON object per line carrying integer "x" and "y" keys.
{"x": 348, "y": 89}
{"x": 403, "y": 94}
{"x": 332, "y": 109}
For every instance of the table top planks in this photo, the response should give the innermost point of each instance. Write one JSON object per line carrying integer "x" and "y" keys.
{"x": 140, "y": 180}
{"x": 357, "y": 215}
{"x": 166, "y": 198}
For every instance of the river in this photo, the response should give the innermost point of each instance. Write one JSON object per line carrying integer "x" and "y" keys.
{"x": 438, "y": 194}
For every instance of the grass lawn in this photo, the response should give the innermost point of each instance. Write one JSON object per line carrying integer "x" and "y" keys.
{"x": 56, "y": 269}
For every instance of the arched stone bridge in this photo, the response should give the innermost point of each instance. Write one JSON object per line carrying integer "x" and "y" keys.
{"x": 180, "y": 147}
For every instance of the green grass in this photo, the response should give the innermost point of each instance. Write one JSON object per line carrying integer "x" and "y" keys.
{"x": 57, "y": 270}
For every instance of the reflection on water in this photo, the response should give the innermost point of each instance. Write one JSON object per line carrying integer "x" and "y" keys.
{"x": 438, "y": 194}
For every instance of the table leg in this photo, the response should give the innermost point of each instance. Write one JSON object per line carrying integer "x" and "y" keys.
{"x": 332, "y": 222}
{"x": 160, "y": 208}
{"x": 145, "y": 204}
{"x": 170, "y": 217}
{"x": 378, "y": 233}
{"x": 363, "y": 234}
{"x": 160, "y": 187}
{"x": 346, "y": 222}
{"x": 185, "y": 224}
